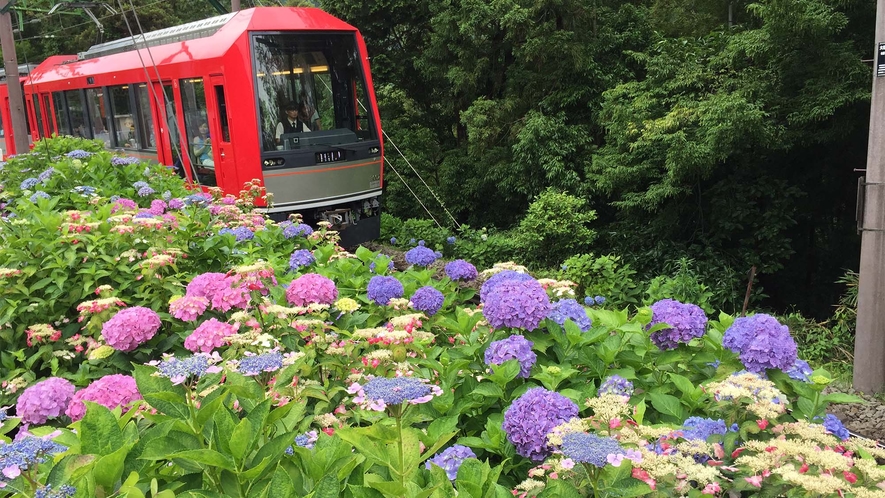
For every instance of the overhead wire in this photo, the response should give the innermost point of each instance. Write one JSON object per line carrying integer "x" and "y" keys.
{"x": 51, "y": 34}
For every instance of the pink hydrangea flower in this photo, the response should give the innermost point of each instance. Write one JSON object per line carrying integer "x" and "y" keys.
{"x": 188, "y": 308}
{"x": 130, "y": 328}
{"x": 311, "y": 288}
{"x": 44, "y": 400}
{"x": 208, "y": 336}
{"x": 220, "y": 290}
{"x": 110, "y": 391}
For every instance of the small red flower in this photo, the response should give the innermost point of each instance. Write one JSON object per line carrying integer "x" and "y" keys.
{"x": 850, "y": 477}
{"x": 762, "y": 424}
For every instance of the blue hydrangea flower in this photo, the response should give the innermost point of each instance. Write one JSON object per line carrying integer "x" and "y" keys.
{"x": 428, "y": 300}
{"x": 382, "y": 289}
{"x": 686, "y": 321}
{"x": 307, "y": 440}
{"x": 39, "y": 195}
{"x": 517, "y": 304}
{"x": 532, "y": 416}
{"x": 46, "y": 175}
{"x": 515, "y": 347}
{"x": 616, "y": 385}
{"x": 84, "y": 190}
{"x": 393, "y": 240}
{"x": 420, "y": 256}
{"x": 241, "y": 233}
{"x": 140, "y": 185}
{"x": 461, "y": 270}
{"x": 292, "y": 230}
{"x": 180, "y": 369}
{"x": 834, "y": 426}
{"x": 256, "y": 364}
{"x": 702, "y": 428}
{"x": 24, "y": 454}
{"x": 396, "y": 391}
{"x": 761, "y": 342}
{"x": 599, "y": 299}
{"x": 569, "y": 309}
{"x": 145, "y": 191}
{"x": 199, "y": 200}
{"x": 500, "y": 277}
{"x": 301, "y": 258}
{"x": 800, "y": 370}
{"x": 450, "y": 240}
{"x": 28, "y": 183}
{"x": 63, "y": 491}
{"x": 143, "y": 215}
{"x": 78, "y": 154}
{"x": 590, "y": 448}
{"x": 451, "y": 459}
{"x": 123, "y": 161}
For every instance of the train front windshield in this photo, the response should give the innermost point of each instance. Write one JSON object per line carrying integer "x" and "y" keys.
{"x": 311, "y": 91}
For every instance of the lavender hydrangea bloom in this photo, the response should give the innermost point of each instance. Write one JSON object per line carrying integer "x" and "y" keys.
{"x": 292, "y": 230}
{"x": 800, "y": 370}
{"x": 240, "y": 233}
{"x": 199, "y": 200}
{"x": 140, "y": 185}
{"x": 450, "y": 240}
{"x": 131, "y": 327}
{"x": 256, "y": 364}
{"x": 28, "y": 183}
{"x": 428, "y": 300}
{"x": 834, "y": 426}
{"x": 123, "y": 161}
{"x": 461, "y": 270}
{"x": 84, "y": 190}
{"x": 63, "y": 491}
{"x": 420, "y": 256}
{"x": 686, "y": 321}
{"x": 499, "y": 277}
{"x": 180, "y": 369}
{"x": 78, "y": 154}
{"x": 515, "y": 347}
{"x": 380, "y": 392}
{"x": 590, "y": 448}
{"x": 44, "y": 400}
{"x": 616, "y": 385}
{"x": 307, "y": 440}
{"x": 39, "y": 195}
{"x": 46, "y": 175}
{"x": 761, "y": 342}
{"x": 382, "y": 289}
{"x": 518, "y": 304}
{"x": 569, "y": 309}
{"x": 702, "y": 428}
{"x": 532, "y": 416}
{"x": 301, "y": 258}
{"x": 146, "y": 191}
{"x": 451, "y": 459}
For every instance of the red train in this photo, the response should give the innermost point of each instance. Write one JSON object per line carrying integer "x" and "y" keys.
{"x": 276, "y": 93}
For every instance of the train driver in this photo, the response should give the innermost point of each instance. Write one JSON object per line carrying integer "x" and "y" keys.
{"x": 292, "y": 122}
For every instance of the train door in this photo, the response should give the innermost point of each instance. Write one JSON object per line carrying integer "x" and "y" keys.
{"x": 35, "y": 116}
{"x": 225, "y": 166}
{"x": 48, "y": 115}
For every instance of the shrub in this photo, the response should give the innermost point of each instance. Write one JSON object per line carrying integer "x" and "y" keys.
{"x": 682, "y": 284}
{"x": 555, "y": 227}
{"x": 604, "y": 276}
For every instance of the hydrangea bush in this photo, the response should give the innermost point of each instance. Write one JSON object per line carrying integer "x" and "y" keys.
{"x": 181, "y": 361}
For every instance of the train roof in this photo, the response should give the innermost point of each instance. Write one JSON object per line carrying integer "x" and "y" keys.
{"x": 200, "y": 40}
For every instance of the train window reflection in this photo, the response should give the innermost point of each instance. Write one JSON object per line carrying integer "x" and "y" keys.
{"x": 98, "y": 111}
{"x": 145, "y": 128}
{"x": 61, "y": 117}
{"x": 79, "y": 127}
{"x": 193, "y": 102}
{"x": 308, "y": 86}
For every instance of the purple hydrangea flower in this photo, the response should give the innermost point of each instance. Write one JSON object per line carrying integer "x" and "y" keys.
{"x": 63, "y": 491}
{"x": 199, "y": 200}
{"x": 179, "y": 370}
{"x": 382, "y": 289}
{"x": 834, "y": 426}
{"x": 532, "y": 416}
{"x": 428, "y": 300}
{"x": 28, "y": 183}
{"x": 393, "y": 240}
{"x": 590, "y": 448}
{"x": 518, "y": 304}
{"x": 420, "y": 256}
{"x": 515, "y": 347}
{"x": 380, "y": 392}
{"x": 616, "y": 385}
{"x": 307, "y": 440}
{"x": 84, "y": 190}
{"x": 255, "y": 364}
{"x": 110, "y": 391}
{"x": 123, "y": 161}
{"x": 451, "y": 459}
{"x": 44, "y": 400}
{"x": 176, "y": 203}
{"x": 761, "y": 342}
{"x": 569, "y": 309}
{"x": 46, "y": 175}
{"x": 140, "y": 185}
{"x": 686, "y": 321}
{"x": 39, "y": 195}
{"x": 240, "y": 233}
{"x": 301, "y": 258}
{"x": 499, "y": 277}
{"x": 461, "y": 270}
{"x": 800, "y": 370}
{"x": 702, "y": 428}
{"x": 450, "y": 240}
{"x": 292, "y": 230}
{"x": 146, "y": 191}
{"x": 130, "y": 328}
{"x": 78, "y": 154}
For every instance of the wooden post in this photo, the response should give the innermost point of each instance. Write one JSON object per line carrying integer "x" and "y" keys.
{"x": 16, "y": 99}
{"x": 234, "y": 5}
{"x": 869, "y": 342}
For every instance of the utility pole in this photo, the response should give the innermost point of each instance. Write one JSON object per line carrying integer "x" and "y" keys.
{"x": 16, "y": 99}
{"x": 869, "y": 342}
{"x": 234, "y": 5}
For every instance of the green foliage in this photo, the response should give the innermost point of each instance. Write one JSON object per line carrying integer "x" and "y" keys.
{"x": 604, "y": 276}
{"x": 555, "y": 227}
{"x": 683, "y": 284}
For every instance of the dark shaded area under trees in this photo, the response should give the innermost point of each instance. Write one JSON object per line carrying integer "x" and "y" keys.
{"x": 723, "y": 131}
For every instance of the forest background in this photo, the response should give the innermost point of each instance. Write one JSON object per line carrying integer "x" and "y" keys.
{"x": 722, "y": 134}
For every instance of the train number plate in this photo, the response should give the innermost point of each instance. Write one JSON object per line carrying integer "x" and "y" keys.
{"x": 328, "y": 157}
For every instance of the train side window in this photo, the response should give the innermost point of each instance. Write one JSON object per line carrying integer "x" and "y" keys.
{"x": 222, "y": 113}
{"x": 61, "y": 116}
{"x": 196, "y": 123}
{"x": 123, "y": 122}
{"x": 147, "y": 140}
{"x": 79, "y": 124}
{"x": 100, "y": 117}
{"x": 39, "y": 115}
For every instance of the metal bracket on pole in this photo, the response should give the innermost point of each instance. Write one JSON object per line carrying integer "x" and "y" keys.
{"x": 8, "y": 6}
{"x": 861, "y": 203}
